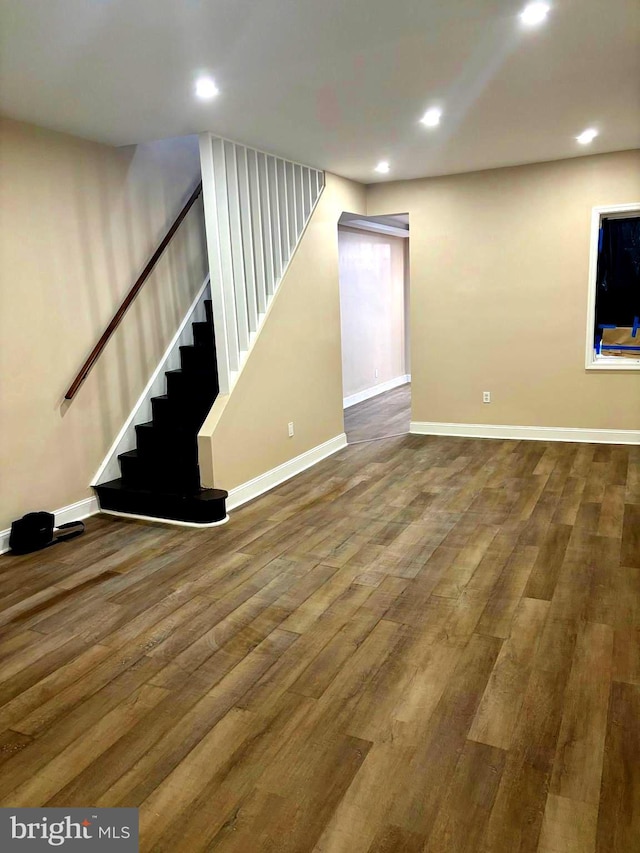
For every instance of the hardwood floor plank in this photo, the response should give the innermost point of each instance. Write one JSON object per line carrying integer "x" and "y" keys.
{"x": 626, "y": 655}
{"x": 236, "y": 777}
{"x": 182, "y": 785}
{"x": 631, "y": 536}
{"x": 436, "y": 755}
{"x": 72, "y": 760}
{"x": 619, "y": 812}
{"x": 12, "y": 743}
{"x": 459, "y": 573}
{"x": 467, "y": 804}
{"x": 29, "y": 762}
{"x": 497, "y": 714}
{"x": 544, "y": 575}
{"x": 568, "y": 826}
{"x": 315, "y": 679}
{"x": 137, "y": 764}
{"x": 577, "y": 768}
{"x": 505, "y": 596}
{"x": 360, "y": 820}
{"x": 516, "y": 818}
{"x": 394, "y": 839}
{"x": 612, "y": 511}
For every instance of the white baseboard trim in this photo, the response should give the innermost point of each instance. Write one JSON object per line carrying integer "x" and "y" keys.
{"x": 73, "y": 512}
{"x": 270, "y": 479}
{"x": 530, "y": 433}
{"x": 172, "y": 521}
{"x": 373, "y": 392}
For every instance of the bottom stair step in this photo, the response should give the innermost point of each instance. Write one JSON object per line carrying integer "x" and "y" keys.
{"x": 202, "y": 507}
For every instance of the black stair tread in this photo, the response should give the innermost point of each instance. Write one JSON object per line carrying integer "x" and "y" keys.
{"x": 181, "y": 431}
{"x": 152, "y": 425}
{"x": 128, "y": 454}
{"x": 193, "y": 373}
{"x": 167, "y": 400}
{"x": 202, "y": 495}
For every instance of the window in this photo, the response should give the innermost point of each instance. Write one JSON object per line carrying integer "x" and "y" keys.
{"x": 613, "y": 317}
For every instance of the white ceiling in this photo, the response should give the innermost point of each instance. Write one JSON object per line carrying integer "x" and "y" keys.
{"x": 336, "y": 84}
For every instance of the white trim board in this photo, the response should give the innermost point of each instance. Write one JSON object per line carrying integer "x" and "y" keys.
{"x": 529, "y": 433}
{"x": 73, "y": 512}
{"x": 389, "y": 385}
{"x": 172, "y": 521}
{"x": 270, "y": 479}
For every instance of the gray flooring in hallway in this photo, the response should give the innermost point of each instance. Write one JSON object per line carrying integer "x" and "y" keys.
{"x": 387, "y": 414}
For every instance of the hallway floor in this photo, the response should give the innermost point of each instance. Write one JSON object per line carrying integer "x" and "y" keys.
{"x": 385, "y": 415}
{"x": 418, "y": 644}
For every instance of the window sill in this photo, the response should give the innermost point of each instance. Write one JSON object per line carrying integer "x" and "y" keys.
{"x": 612, "y": 363}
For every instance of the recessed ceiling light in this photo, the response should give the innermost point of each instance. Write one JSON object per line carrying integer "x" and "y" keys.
{"x": 432, "y": 117}
{"x": 534, "y": 14}
{"x": 206, "y": 88}
{"x": 382, "y": 167}
{"x": 587, "y": 136}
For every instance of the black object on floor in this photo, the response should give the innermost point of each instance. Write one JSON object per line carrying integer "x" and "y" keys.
{"x": 37, "y": 530}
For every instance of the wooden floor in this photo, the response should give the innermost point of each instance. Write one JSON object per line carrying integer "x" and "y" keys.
{"x": 419, "y": 644}
{"x": 386, "y": 414}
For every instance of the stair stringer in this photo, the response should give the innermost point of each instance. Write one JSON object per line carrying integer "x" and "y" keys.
{"x": 141, "y": 413}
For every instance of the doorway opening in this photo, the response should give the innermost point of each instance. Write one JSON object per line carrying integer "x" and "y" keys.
{"x": 374, "y": 306}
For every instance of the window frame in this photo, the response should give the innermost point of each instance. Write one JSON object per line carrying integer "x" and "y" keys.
{"x": 592, "y": 360}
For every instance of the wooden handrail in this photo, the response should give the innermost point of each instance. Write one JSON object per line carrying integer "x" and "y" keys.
{"x": 131, "y": 295}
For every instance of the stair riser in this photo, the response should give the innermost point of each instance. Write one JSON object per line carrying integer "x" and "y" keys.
{"x": 197, "y": 360}
{"x": 168, "y": 414}
{"x": 195, "y": 388}
{"x": 203, "y": 335}
{"x": 161, "y": 446}
{"x": 138, "y": 474}
{"x": 164, "y": 506}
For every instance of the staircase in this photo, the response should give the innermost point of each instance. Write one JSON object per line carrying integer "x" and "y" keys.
{"x": 254, "y": 208}
{"x": 160, "y": 478}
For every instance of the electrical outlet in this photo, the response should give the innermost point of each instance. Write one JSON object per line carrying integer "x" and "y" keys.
{"x": 290, "y": 428}
{"x": 375, "y": 373}
{"x": 486, "y": 396}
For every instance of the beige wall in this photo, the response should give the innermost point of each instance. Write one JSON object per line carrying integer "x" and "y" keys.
{"x": 293, "y": 373}
{"x": 78, "y": 221}
{"x": 499, "y": 267}
{"x": 371, "y": 308}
